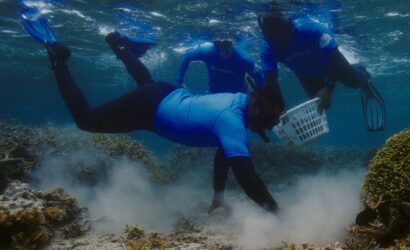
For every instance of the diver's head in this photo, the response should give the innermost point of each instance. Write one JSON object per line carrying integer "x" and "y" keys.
{"x": 265, "y": 106}
{"x": 224, "y": 48}
{"x": 276, "y": 29}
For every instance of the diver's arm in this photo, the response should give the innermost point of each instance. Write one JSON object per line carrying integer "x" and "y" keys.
{"x": 193, "y": 55}
{"x": 342, "y": 70}
{"x": 251, "y": 183}
{"x": 271, "y": 80}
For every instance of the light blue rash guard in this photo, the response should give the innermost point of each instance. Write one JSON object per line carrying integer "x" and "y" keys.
{"x": 214, "y": 120}
{"x": 307, "y": 55}
{"x": 225, "y": 75}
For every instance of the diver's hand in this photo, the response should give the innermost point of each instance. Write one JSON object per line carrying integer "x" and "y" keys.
{"x": 325, "y": 95}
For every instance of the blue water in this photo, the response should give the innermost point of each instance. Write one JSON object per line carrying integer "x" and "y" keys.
{"x": 374, "y": 33}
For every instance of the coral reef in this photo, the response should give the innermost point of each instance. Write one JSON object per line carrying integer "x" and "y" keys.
{"x": 22, "y": 148}
{"x": 28, "y": 218}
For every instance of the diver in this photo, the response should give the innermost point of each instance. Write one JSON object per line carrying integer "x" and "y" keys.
{"x": 226, "y": 64}
{"x": 309, "y": 49}
{"x": 227, "y": 67}
{"x": 214, "y": 120}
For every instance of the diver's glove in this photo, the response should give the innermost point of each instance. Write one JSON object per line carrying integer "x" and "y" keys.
{"x": 325, "y": 95}
{"x": 58, "y": 54}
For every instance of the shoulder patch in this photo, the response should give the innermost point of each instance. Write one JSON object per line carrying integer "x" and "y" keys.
{"x": 325, "y": 40}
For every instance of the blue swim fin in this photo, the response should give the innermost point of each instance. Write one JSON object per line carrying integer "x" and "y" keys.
{"x": 36, "y": 25}
{"x": 374, "y": 110}
{"x": 140, "y": 41}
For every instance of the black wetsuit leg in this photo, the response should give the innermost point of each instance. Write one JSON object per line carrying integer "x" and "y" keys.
{"x": 135, "y": 110}
{"x": 221, "y": 169}
{"x": 252, "y": 184}
{"x": 135, "y": 67}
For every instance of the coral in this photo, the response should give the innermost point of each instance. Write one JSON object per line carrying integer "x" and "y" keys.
{"x": 134, "y": 232}
{"x": 30, "y": 238}
{"x": 24, "y": 229}
{"x": 135, "y": 239}
{"x": 22, "y": 148}
{"x": 389, "y": 170}
{"x": 385, "y": 219}
{"x": 121, "y": 145}
{"x": 28, "y": 218}
{"x": 55, "y": 215}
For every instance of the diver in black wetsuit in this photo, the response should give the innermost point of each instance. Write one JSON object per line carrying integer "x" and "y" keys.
{"x": 168, "y": 111}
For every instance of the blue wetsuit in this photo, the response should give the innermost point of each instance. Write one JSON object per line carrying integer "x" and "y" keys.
{"x": 216, "y": 120}
{"x": 308, "y": 53}
{"x": 313, "y": 56}
{"x": 225, "y": 75}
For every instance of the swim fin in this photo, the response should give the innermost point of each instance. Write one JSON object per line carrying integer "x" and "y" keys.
{"x": 374, "y": 110}
{"x": 140, "y": 41}
{"x": 36, "y": 25}
{"x": 138, "y": 46}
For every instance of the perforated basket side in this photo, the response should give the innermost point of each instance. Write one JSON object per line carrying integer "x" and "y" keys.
{"x": 303, "y": 124}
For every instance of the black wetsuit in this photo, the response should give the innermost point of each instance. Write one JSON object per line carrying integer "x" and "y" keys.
{"x": 136, "y": 111}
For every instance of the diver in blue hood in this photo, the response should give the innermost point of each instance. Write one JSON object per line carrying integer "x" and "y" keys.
{"x": 226, "y": 63}
{"x": 309, "y": 49}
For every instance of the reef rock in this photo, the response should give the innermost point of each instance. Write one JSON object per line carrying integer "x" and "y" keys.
{"x": 28, "y": 218}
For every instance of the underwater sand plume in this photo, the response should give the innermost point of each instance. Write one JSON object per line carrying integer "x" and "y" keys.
{"x": 22, "y": 148}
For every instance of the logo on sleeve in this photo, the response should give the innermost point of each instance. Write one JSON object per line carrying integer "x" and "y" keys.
{"x": 325, "y": 40}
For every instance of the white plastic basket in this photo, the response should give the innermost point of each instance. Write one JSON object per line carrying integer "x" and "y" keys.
{"x": 302, "y": 124}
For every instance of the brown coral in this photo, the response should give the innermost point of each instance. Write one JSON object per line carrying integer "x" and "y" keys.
{"x": 28, "y": 218}
{"x": 135, "y": 239}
